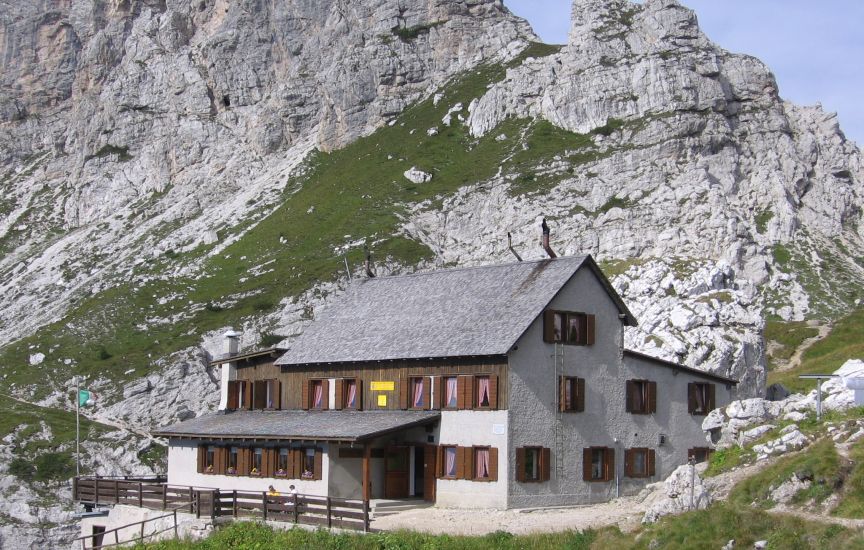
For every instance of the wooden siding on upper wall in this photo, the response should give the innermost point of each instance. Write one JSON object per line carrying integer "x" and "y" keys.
{"x": 398, "y": 372}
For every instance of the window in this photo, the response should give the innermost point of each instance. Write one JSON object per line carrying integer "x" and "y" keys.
{"x": 417, "y": 388}
{"x": 699, "y": 454}
{"x": 641, "y": 396}
{"x": 273, "y": 394}
{"x": 283, "y": 465}
{"x": 316, "y": 395}
{"x": 639, "y": 462}
{"x": 450, "y": 392}
{"x": 350, "y": 394}
{"x": 700, "y": 398}
{"x": 265, "y": 394}
{"x": 233, "y": 461}
{"x": 572, "y": 394}
{"x": 482, "y": 390}
{"x": 239, "y": 394}
{"x": 257, "y": 462}
{"x": 481, "y": 463}
{"x": 532, "y": 464}
{"x": 311, "y": 463}
{"x": 598, "y": 464}
{"x": 210, "y": 460}
{"x": 448, "y": 465}
{"x": 572, "y": 328}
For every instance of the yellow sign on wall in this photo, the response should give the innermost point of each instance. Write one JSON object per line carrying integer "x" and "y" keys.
{"x": 382, "y": 400}
{"x": 380, "y": 385}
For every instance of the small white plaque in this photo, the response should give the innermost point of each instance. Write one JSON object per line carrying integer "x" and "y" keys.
{"x": 498, "y": 429}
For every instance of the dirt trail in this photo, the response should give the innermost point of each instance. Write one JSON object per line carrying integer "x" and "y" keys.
{"x": 795, "y": 360}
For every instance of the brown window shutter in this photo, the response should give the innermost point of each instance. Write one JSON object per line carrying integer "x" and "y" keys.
{"x": 265, "y": 463}
{"x": 549, "y": 326}
{"x": 436, "y": 391}
{"x": 628, "y": 462}
{"x": 652, "y": 397}
{"x": 221, "y": 460}
{"x": 609, "y": 464}
{"x": 277, "y": 388}
{"x": 493, "y": 391}
{"x": 562, "y": 393}
{"x": 468, "y": 456}
{"x": 586, "y": 464}
{"x": 460, "y": 463}
{"x": 427, "y": 392}
{"x": 232, "y": 395}
{"x": 259, "y": 394}
{"x": 404, "y": 388}
{"x": 247, "y": 395}
{"x": 439, "y": 461}
{"x": 340, "y": 393}
{"x": 590, "y": 322}
{"x": 520, "y": 464}
{"x": 629, "y": 389}
{"x": 493, "y": 463}
{"x": 319, "y": 464}
{"x": 295, "y": 462}
{"x": 545, "y": 464}
{"x": 359, "y": 394}
{"x": 304, "y": 397}
{"x": 462, "y": 392}
{"x": 325, "y": 389}
{"x": 580, "y": 394}
{"x": 651, "y": 459}
{"x": 202, "y": 457}
{"x": 691, "y": 397}
{"x": 712, "y": 394}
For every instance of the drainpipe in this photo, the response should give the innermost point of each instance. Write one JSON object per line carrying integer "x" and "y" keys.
{"x": 544, "y": 240}
{"x": 618, "y": 456}
{"x": 229, "y": 370}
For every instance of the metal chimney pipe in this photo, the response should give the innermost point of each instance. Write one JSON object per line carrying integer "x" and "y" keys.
{"x": 544, "y": 240}
{"x": 368, "y": 263}
{"x": 510, "y": 246}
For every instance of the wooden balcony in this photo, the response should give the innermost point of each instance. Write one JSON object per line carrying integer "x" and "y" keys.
{"x": 155, "y": 494}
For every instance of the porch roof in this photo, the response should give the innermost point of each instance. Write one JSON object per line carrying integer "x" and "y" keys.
{"x": 349, "y": 426}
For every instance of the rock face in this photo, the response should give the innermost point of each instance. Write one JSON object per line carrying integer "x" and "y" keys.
{"x": 684, "y": 491}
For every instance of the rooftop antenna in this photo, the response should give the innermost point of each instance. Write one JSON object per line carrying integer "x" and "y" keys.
{"x": 544, "y": 240}
{"x": 510, "y": 246}
{"x": 368, "y": 263}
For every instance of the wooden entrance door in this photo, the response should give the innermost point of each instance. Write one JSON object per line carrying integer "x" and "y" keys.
{"x": 430, "y": 455}
{"x": 397, "y": 469}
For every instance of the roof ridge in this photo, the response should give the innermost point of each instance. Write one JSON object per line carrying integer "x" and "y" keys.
{"x": 471, "y": 268}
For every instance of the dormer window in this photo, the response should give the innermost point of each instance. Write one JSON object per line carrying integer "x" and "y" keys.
{"x": 567, "y": 327}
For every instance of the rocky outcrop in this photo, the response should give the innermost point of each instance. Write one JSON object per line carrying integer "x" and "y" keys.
{"x": 683, "y": 491}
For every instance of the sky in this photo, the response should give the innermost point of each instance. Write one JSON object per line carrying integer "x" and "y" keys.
{"x": 814, "y": 48}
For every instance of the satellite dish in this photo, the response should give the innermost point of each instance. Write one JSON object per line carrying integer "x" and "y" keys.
{"x": 89, "y": 403}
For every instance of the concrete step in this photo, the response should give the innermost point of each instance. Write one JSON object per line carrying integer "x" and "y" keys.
{"x": 381, "y": 507}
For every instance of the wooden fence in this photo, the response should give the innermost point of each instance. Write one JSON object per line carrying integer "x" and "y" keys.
{"x": 212, "y": 503}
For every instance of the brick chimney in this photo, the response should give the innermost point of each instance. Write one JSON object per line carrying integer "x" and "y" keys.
{"x": 229, "y": 370}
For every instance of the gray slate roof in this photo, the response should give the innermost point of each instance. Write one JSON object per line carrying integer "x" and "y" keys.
{"x": 298, "y": 425}
{"x": 477, "y": 311}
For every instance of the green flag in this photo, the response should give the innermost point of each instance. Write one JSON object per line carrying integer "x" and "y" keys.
{"x": 83, "y": 397}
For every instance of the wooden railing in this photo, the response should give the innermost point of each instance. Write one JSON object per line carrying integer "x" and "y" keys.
{"x": 135, "y": 539}
{"x": 213, "y": 503}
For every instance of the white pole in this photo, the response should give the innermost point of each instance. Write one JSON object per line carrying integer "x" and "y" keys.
{"x": 818, "y": 400}
{"x": 77, "y": 429}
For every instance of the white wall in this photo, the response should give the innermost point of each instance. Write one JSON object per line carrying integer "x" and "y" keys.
{"x": 183, "y": 470}
{"x": 471, "y": 428}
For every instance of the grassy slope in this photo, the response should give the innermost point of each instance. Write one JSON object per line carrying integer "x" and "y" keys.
{"x": 843, "y": 343}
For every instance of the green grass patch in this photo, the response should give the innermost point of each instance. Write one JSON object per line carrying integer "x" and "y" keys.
{"x": 781, "y": 256}
{"x": 844, "y": 342}
{"x": 820, "y": 463}
{"x": 536, "y": 50}
{"x": 852, "y": 499}
{"x": 723, "y": 460}
{"x": 406, "y": 34}
{"x": 122, "y": 153}
{"x": 788, "y": 336}
{"x": 762, "y": 219}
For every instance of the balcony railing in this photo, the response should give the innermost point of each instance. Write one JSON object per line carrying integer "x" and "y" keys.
{"x": 206, "y": 502}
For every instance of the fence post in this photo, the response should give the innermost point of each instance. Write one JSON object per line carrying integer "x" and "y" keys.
{"x": 365, "y": 516}
{"x": 216, "y": 496}
{"x": 142, "y": 531}
{"x": 116, "y": 492}
{"x": 192, "y": 501}
{"x": 164, "y": 497}
{"x": 329, "y": 514}
{"x": 197, "y": 504}
{"x": 140, "y": 495}
{"x": 264, "y": 503}
{"x": 234, "y": 493}
{"x": 176, "y": 536}
{"x": 96, "y": 496}
{"x": 75, "y": 488}
{"x": 296, "y": 502}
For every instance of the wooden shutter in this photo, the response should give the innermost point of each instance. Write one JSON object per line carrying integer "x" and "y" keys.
{"x": 304, "y": 394}
{"x": 652, "y": 397}
{"x": 325, "y": 394}
{"x": 586, "y": 464}
{"x": 359, "y": 383}
{"x": 590, "y": 326}
{"x": 545, "y": 464}
{"x": 202, "y": 458}
{"x": 629, "y": 389}
{"x": 609, "y": 464}
{"x": 247, "y": 395}
{"x": 427, "y": 392}
{"x": 493, "y": 463}
{"x": 436, "y": 392}
{"x": 628, "y": 462}
{"x": 319, "y": 464}
{"x": 404, "y": 389}
{"x": 651, "y": 459}
{"x": 691, "y": 397}
{"x": 460, "y": 463}
{"x": 549, "y": 326}
{"x": 463, "y": 392}
{"x": 520, "y": 464}
{"x": 468, "y": 456}
{"x": 259, "y": 394}
{"x": 493, "y": 391}
{"x": 580, "y": 394}
{"x": 221, "y": 459}
{"x": 712, "y": 394}
{"x": 295, "y": 463}
{"x": 439, "y": 461}
{"x": 562, "y": 393}
{"x": 232, "y": 395}
{"x": 341, "y": 384}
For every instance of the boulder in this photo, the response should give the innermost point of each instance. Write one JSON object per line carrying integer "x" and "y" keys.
{"x": 678, "y": 497}
{"x": 787, "y": 490}
{"x": 417, "y": 176}
{"x": 136, "y": 388}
